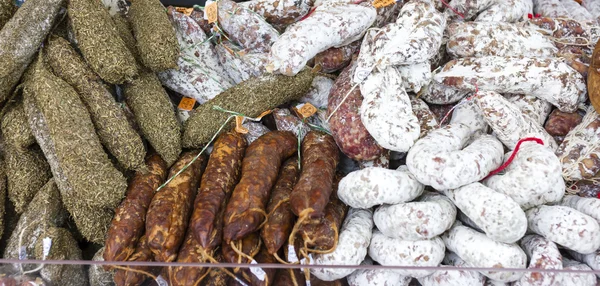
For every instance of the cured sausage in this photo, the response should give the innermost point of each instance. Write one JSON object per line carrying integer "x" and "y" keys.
{"x": 578, "y": 151}
{"x": 506, "y": 11}
{"x": 542, "y": 254}
{"x": 133, "y": 278}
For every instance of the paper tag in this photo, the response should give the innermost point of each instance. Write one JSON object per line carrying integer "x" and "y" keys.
{"x": 46, "y": 245}
{"x": 308, "y": 283}
{"x": 185, "y": 11}
{"x": 239, "y": 120}
{"x": 257, "y": 271}
{"x": 264, "y": 114}
{"x": 161, "y": 281}
{"x": 292, "y": 257}
{"x": 383, "y": 3}
{"x": 210, "y": 11}
{"x": 187, "y": 104}
{"x": 22, "y": 253}
{"x": 305, "y": 110}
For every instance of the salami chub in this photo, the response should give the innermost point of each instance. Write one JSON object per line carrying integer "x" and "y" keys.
{"x": 245, "y": 211}
{"x": 128, "y": 224}
{"x": 320, "y": 157}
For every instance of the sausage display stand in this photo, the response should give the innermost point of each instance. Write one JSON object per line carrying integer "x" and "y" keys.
{"x": 325, "y": 142}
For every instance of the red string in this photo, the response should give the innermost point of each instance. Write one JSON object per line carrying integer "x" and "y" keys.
{"x": 514, "y": 153}
{"x": 455, "y": 106}
{"x": 453, "y": 10}
{"x": 309, "y": 12}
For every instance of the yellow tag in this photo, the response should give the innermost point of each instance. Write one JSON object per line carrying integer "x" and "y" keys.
{"x": 211, "y": 12}
{"x": 383, "y": 3}
{"x": 187, "y": 103}
{"x": 264, "y": 114}
{"x": 239, "y": 120}
{"x": 185, "y": 11}
{"x": 305, "y": 110}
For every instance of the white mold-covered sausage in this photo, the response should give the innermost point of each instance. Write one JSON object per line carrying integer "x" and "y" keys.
{"x": 542, "y": 254}
{"x": 382, "y": 162}
{"x": 566, "y": 227}
{"x": 537, "y": 109}
{"x": 318, "y": 94}
{"x": 593, "y": 6}
{"x": 426, "y": 117}
{"x": 240, "y": 66}
{"x": 480, "y": 39}
{"x": 551, "y": 79}
{"x": 508, "y": 121}
{"x": 353, "y": 242}
{"x": 496, "y": 214}
{"x": 467, "y": 8}
{"x": 550, "y": 8}
{"x": 576, "y": 11}
{"x": 428, "y": 217}
{"x": 437, "y": 93}
{"x": 579, "y": 152}
{"x": 438, "y": 158}
{"x": 386, "y": 111}
{"x": 533, "y": 178}
{"x": 376, "y": 277}
{"x": 255, "y": 130}
{"x": 576, "y": 279}
{"x": 468, "y": 113}
{"x": 375, "y": 186}
{"x": 506, "y": 11}
{"x": 330, "y": 25}
{"x": 453, "y": 277}
{"x": 479, "y": 250}
{"x": 415, "y": 76}
{"x": 397, "y": 252}
{"x": 588, "y": 206}
{"x": 592, "y": 260}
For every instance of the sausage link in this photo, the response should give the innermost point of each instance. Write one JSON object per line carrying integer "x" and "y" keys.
{"x": 280, "y": 221}
{"x": 220, "y": 177}
{"x": 263, "y": 257}
{"x": 217, "y": 277}
{"x": 142, "y": 254}
{"x": 185, "y": 275}
{"x": 245, "y": 211}
{"x": 249, "y": 245}
{"x": 320, "y": 157}
{"x": 170, "y": 209}
{"x": 335, "y": 59}
{"x": 128, "y": 224}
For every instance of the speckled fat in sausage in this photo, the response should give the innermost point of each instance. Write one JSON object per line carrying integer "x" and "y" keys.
{"x": 375, "y": 186}
{"x": 550, "y": 8}
{"x": 576, "y": 279}
{"x": 354, "y": 239}
{"x": 330, "y": 25}
{"x": 376, "y": 277}
{"x": 537, "y": 109}
{"x": 386, "y": 111}
{"x": 467, "y": 8}
{"x": 245, "y": 27}
{"x": 436, "y": 159}
{"x": 566, "y": 227}
{"x": 479, "y": 39}
{"x": 496, "y": 214}
{"x": 437, "y": 93}
{"x": 533, "y": 178}
{"x": 542, "y": 254}
{"x": 580, "y": 149}
{"x": 453, "y": 277}
{"x": 576, "y": 11}
{"x": 428, "y": 217}
{"x": 593, "y": 7}
{"x": 508, "y": 121}
{"x": 397, "y": 252}
{"x": 426, "y": 117}
{"x": 467, "y": 113}
{"x": 415, "y": 76}
{"x": 506, "y": 11}
{"x": 551, "y": 79}
{"x": 588, "y": 206}
{"x": 478, "y": 250}
{"x": 592, "y": 260}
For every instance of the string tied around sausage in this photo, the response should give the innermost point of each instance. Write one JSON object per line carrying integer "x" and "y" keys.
{"x": 513, "y": 155}
{"x": 459, "y": 104}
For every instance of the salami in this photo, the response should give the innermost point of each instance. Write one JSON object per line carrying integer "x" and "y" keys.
{"x": 245, "y": 27}
{"x": 592, "y": 259}
{"x": 467, "y": 113}
{"x": 426, "y": 117}
{"x": 467, "y": 9}
{"x": 576, "y": 11}
{"x": 415, "y": 76}
{"x": 506, "y": 11}
{"x": 576, "y": 279}
{"x": 588, "y": 206}
{"x": 240, "y": 65}
{"x": 478, "y": 250}
{"x": 550, "y": 8}
{"x": 578, "y": 151}
{"x": 542, "y": 254}
{"x": 279, "y": 12}
{"x": 496, "y": 214}
{"x": 437, "y": 93}
{"x": 453, "y": 277}
{"x": 593, "y": 7}
{"x": 565, "y": 226}
{"x": 533, "y": 178}
{"x": 260, "y": 167}
{"x": 318, "y": 95}
{"x": 255, "y": 130}
{"x": 376, "y": 277}
{"x": 142, "y": 254}
{"x": 537, "y": 109}
{"x": 334, "y": 59}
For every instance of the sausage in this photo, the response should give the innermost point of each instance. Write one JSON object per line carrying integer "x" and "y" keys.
{"x": 508, "y": 121}
{"x": 381, "y": 162}
{"x": 249, "y": 245}
{"x": 537, "y": 109}
{"x": 542, "y": 254}
{"x": 533, "y": 178}
{"x": 220, "y": 177}
{"x": 440, "y": 111}
{"x": 287, "y": 277}
{"x": 468, "y": 9}
{"x": 351, "y": 249}
{"x": 216, "y": 276}
{"x": 577, "y": 12}
{"x": 592, "y": 6}
{"x": 245, "y": 210}
{"x": 286, "y": 121}
{"x": 436, "y": 158}
{"x": 394, "y": 251}
{"x": 550, "y": 8}
{"x": 335, "y": 59}
{"x": 386, "y": 111}
{"x": 469, "y": 114}
{"x": 506, "y": 11}
{"x": 427, "y": 119}
{"x": 588, "y": 206}
{"x": 280, "y": 221}
{"x": 377, "y": 186}
{"x": 576, "y": 279}
{"x": 240, "y": 65}
{"x": 129, "y": 222}
{"x": 142, "y": 254}
{"x": 330, "y": 25}
{"x": 262, "y": 276}
{"x": 376, "y": 277}
{"x": 429, "y": 216}
{"x": 15, "y": 128}
{"x": 565, "y": 226}
{"x": 255, "y": 130}
{"x": 437, "y": 93}
{"x": 577, "y": 152}
{"x": 415, "y": 76}
{"x": 478, "y": 250}
{"x": 537, "y": 75}
{"x": 171, "y": 207}
{"x": 346, "y": 126}
{"x": 318, "y": 95}
{"x": 480, "y": 39}
{"x": 561, "y": 123}
{"x": 453, "y": 277}
{"x": 592, "y": 260}
{"x": 188, "y": 253}
{"x": 495, "y": 213}
{"x": 320, "y": 156}
{"x": 279, "y": 13}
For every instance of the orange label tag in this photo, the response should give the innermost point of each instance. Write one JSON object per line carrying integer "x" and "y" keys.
{"x": 185, "y": 11}
{"x": 305, "y": 110}
{"x": 187, "y": 103}
{"x": 383, "y": 3}
{"x": 239, "y": 120}
{"x": 264, "y": 114}
{"x": 211, "y": 12}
